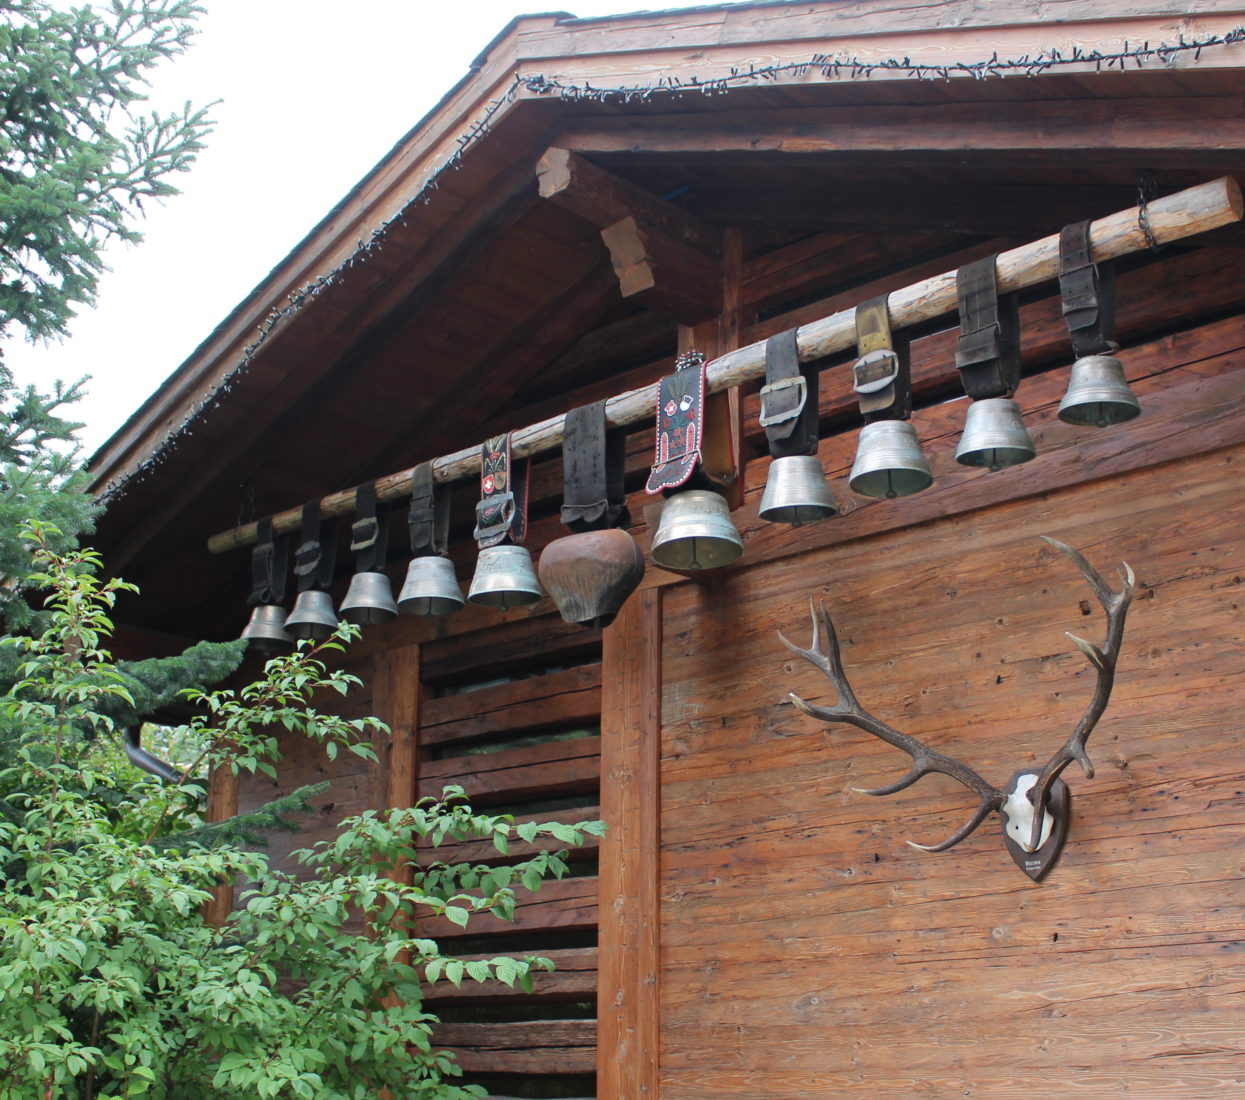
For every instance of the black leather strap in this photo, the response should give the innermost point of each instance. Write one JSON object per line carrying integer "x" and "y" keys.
{"x": 429, "y": 521}
{"x": 369, "y": 535}
{"x": 789, "y": 399}
{"x": 593, "y": 466}
{"x": 1087, "y": 293}
{"x": 988, "y": 353}
{"x": 501, "y": 514}
{"x": 268, "y": 560}
{"x": 316, "y": 556}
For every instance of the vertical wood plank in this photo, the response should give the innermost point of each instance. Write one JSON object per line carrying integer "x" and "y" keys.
{"x": 395, "y": 700}
{"x": 222, "y": 804}
{"x": 627, "y": 997}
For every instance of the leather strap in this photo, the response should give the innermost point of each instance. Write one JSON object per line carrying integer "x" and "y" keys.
{"x": 268, "y": 559}
{"x": 593, "y": 466}
{"x": 1087, "y": 294}
{"x": 789, "y": 399}
{"x": 501, "y": 514}
{"x": 429, "y": 520}
{"x": 988, "y": 353}
{"x": 316, "y": 556}
{"x": 680, "y": 421}
{"x": 882, "y": 375}
{"x": 369, "y": 534}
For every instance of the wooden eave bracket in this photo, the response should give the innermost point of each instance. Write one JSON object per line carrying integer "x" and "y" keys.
{"x": 663, "y": 257}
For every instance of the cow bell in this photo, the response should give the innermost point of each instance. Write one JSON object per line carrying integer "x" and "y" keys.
{"x": 797, "y": 492}
{"x": 695, "y": 532}
{"x": 369, "y": 600}
{"x": 431, "y": 587}
{"x": 889, "y": 462}
{"x": 590, "y": 575}
{"x": 994, "y": 435}
{"x": 266, "y": 629}
{"x": 504, "y": 578}
{"x": 313, "y": 616}
{"x": 1098, "y": 393}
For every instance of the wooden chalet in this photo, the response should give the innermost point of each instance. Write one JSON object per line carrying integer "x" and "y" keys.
{"x": 597, "y": 195}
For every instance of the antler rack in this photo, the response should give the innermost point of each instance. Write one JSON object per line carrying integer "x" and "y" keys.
{"x": 925, "y": 760}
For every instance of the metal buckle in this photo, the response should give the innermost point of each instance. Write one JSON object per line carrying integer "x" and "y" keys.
{"x": 504, "y": 501}
{"x": 306, "y": 559}
{"x": 363, "y": 533}
{"x": 875, "y": 370}
{"x": 770, "y": 388}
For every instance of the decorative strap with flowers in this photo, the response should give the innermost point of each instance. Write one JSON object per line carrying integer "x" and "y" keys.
{"x": 680, "y": 420}
{"x": 501, "y": 514}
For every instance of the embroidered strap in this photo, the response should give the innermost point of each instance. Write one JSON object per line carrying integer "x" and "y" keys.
{"x": 501, "y": 514}
{"x": 429, "y": 519}
{"x": 316, "y": 556}
{"x": 789, "y": 399}
{"x": 680, "y": 409}
{"x": 593, "y": 465}
{"x": 268, "y": 560}
{"x": 1087, "y": 293}
{"x": 882, "y": 376}
{"x": 369, "y": 535}
{"x": 988, "y": 353}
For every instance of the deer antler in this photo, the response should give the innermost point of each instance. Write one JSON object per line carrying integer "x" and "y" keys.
{"x": 925, "y": 760}
{"x": 849, "y": 711}
{"x": 1103, "y": 658}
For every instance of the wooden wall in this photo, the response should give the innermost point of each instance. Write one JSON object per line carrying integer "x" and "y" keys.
{"x": 805, "y": 949}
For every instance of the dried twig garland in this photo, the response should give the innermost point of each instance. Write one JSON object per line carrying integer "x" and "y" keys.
{"x": 830, "y": 66}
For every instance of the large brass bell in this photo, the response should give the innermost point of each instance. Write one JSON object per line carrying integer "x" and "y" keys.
{"x": 504, "y": 578}
{"x": 797, "y": 492}
{"x": 994, "y": 435}
{"x": 431, "y": 587}
{"x": 1098, "y": 393}
{"x": 591, "y": 574}
{"x": 265, "y": 631}
{"x": 313, "y": 616}
{"x": 695, "y": 532}
{"x": 889, "y": 462}
{"x": 369, "y": 600}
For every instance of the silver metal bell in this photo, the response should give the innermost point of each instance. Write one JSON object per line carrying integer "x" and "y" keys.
{"x": 889, "y": 462}
{"x": 313, "y": 616}
{"x": 797, "y": 492}
{"x": 504, "y": 578}
{"x": 369, "y": 600}
{"x": 1098, "y": 393}
{"x": 266, "y": 630}
{"x": 994, "y": 435}
{"x": 695, "y": 532}
{"x": 430, "y": 588}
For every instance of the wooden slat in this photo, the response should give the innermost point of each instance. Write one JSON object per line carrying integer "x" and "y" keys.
{"x": 558, "y": 699}
{"x": 533, "y": 771}
{"x": 484, "y": 851}
{"x": 507, "y": 645}
{"x": 544, "y": 1047}
{"x": 565, "y": 905}
{"x": 575, "y": 979}
{"x": 627, "y": 1003}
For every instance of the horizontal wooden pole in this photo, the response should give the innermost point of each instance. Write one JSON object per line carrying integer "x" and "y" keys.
{"x": 1171, "y": 218}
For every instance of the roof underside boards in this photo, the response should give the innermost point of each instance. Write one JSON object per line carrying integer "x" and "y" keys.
{"x": 486, "y": 307}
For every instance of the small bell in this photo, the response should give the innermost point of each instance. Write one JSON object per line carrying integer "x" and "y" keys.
{"x": 504, "y": 578}
{"x": 797, "y": 492}
{"x": 1098, "y": 393}
{"x": 431, "y": 587}
{"x": 266, "y": 630}
{"x": 994, "y": 435}
{"x": 889, "y": 462}
{"x": 591, "y": 574}
{"x": 369, "y": 600}
{"x": 695, "y": 532}
{"x": 313, "y": 616}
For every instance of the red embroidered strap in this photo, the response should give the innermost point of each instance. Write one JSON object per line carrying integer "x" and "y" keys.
{"x": 680, "y": 421}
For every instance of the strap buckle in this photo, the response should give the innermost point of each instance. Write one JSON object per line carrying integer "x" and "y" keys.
{"x": 500, "y": 507}
{"x": 875, "y": 370}
{"x": 363, "y": 533}
{"x": 771, "y": 415}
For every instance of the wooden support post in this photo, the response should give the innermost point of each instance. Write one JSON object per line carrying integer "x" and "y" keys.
{"x": 628, "y": 1005}
{"x": 222, "y": 804}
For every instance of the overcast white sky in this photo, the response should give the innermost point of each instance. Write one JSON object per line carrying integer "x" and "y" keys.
{"x": 314, "y": 93}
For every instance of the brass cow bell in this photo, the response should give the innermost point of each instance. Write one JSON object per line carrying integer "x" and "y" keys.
{"x": 504, "y": 578}
{"x": 994, "y": 435}
{"x": 1098, "y": 394}
{"x": 369, "y": 600}
{"x": 889, "y": 462}
{"x": 313, "y": 616}
{"x": 590, "y": 575}
{"x": 796, "y": 492}
{"x": 696, "y": 532}
{"x": 431, "y": 587}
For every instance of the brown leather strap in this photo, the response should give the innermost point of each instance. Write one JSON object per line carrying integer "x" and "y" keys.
{"x": 882, "y": 375}
{"x": 1087, "y": 293}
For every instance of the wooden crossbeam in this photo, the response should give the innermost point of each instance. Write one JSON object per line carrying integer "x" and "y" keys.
{"x": 1170, "y": 218}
